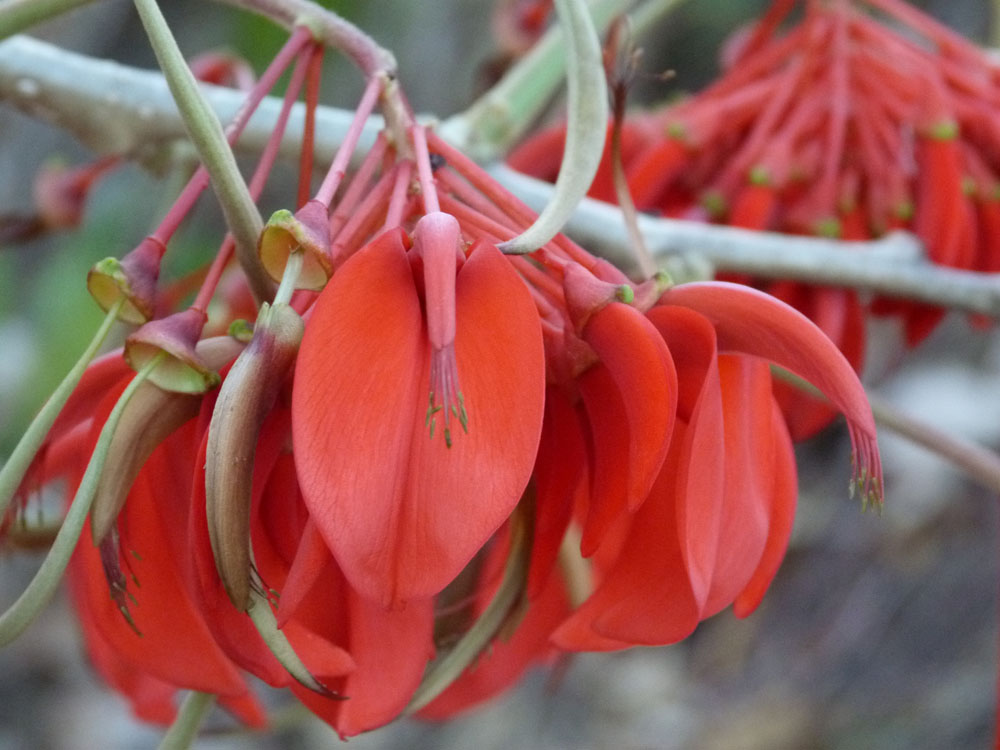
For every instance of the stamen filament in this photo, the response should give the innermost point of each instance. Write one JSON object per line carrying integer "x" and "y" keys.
{"x": 424, "y": 171}
{"x": 293, "y": 267}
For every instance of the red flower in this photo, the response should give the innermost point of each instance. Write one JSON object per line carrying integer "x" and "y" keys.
{"x": 715, "y": 523}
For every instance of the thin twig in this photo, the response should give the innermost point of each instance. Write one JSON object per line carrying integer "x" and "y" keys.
{"x": 977, "y": 462}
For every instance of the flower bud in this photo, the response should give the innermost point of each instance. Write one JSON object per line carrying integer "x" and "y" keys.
{"x": 150, "y": 417}
{"x": 245, "y": 399}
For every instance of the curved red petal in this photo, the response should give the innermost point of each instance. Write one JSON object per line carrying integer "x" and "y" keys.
{"x": 560, "y": 476}
{"x": 646, "y": 597}
{"x": 784, "y": 496}
{"x": 700, "y": 473}
{"x": 743, "y": 529}
{"x": 750, "y": 322}
{"x": 609, "y": 439}
{"x": 638, "y": 360}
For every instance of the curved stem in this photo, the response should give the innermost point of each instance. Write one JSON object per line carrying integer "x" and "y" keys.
{"x": 499, "y": 118}
{"x": 586, "y": 127}
{"x": 206, "y": 133}
{"x": 184, "y": 731}
{"x": 20, "y": 459}
{"x": 328, "y": 27}
{"x": 43, "y": 586}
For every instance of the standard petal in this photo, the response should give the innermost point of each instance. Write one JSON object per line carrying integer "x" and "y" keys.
{"x": 401, "y": 511}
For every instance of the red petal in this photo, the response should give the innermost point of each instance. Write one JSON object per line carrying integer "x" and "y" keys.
{"x": 743, "y": 528}
{"x": 391, "y": 650}
{"x": 392, "y": 502}
{"x": 784, "y": 495}
{"x": 506, "y": 659}
{"x": 559, "y": 477}
{"x": 646, "y": 597}
{"x": 750, "y": 322}
{"x": 639, "y": 362}
{"x": 700, "y": 471}
{"x": 176, "y": 645}
{"x": 609, "y": 441}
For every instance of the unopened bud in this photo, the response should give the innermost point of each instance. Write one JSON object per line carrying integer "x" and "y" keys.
{"x": 150, "y": 417}
{"x": 245, "y": 399}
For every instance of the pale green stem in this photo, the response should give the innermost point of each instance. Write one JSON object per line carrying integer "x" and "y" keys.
{"x": 447, "y": 669}
{"x": 184, "y": 731}
{"x": 586, "y": 127}
{"x": 20, "y": 459}
{"x": 206, "y": 133}
{"x": 501, "y": 116}
{"x": 264, "y": 621}
{"x": 293, "y": 266}
{"x": 18, "y": 15}
{"x": 43, "y": 586}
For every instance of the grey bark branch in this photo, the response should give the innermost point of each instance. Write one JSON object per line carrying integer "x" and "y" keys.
{"x": 116, "y": 109}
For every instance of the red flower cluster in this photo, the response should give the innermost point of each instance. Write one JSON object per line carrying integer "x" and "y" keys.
{"x": 840, "y": 126}
{"x": 434, "y": 445}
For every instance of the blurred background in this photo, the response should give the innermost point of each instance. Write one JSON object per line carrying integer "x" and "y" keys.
{"x": 879, "y": 632}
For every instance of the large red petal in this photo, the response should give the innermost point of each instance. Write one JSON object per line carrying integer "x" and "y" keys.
{"x": 401, "y": 511}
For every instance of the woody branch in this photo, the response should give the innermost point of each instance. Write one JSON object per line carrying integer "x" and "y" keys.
{"x": 116, "y": 109}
